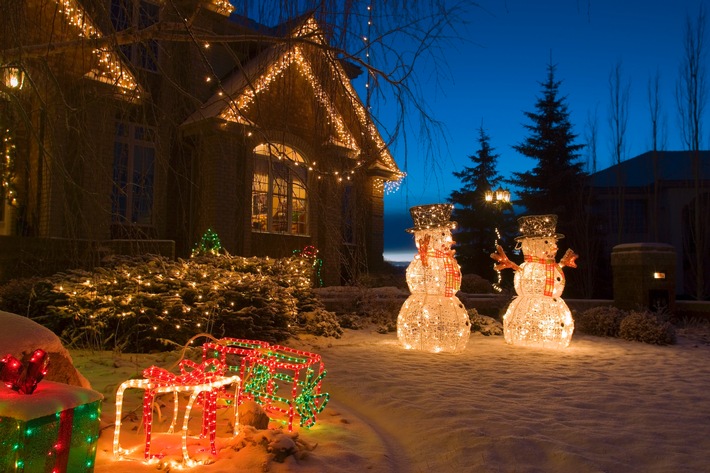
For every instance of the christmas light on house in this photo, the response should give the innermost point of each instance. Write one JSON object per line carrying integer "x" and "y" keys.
{"x": 238, "y": 107}
{"x": 538, "y": 316}
{"x": 432, "y": 318}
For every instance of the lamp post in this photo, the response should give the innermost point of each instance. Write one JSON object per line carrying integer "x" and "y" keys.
{"x": 498, "y": 198}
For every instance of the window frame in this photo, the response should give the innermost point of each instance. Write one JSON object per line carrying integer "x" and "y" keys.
{"x": 279, "y": 186}
{"x": 142, "y": 14}
{"x": 134, "y": 156}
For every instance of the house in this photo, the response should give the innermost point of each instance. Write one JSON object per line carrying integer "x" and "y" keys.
{"x": 660, "y": 197}
{"x": 140, "y": 124}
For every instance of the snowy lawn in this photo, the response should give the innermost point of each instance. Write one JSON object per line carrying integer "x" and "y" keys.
{"x": 601, "y": 405}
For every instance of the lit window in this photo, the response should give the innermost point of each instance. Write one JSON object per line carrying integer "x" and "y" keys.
{"x": 133, "y": 174}
{"x": 138, "y": 14}
{"x": 279, "y": 196}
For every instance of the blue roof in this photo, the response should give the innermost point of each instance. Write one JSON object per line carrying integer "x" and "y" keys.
{"x": 639, "y": 171}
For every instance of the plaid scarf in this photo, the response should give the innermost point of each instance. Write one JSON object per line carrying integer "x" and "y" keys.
{"x": 453, "y": 273}
{"x": 549, "y": 271}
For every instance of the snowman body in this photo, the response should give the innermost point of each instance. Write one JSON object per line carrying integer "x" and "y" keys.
{"x": 432, "y": 318}
{"x": 538, "y": 316}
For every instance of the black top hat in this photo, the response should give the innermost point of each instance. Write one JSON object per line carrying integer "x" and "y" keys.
{"x": 430, "y": 216}
{"x": 538, "y": 226}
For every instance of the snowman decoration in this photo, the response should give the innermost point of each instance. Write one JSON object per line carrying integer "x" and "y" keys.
{"x": 432, "y": 318}
{"x": 538, "y": 316}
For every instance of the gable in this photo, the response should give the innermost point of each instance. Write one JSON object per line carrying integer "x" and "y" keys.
{"x": 348, "y": 118}
{"x": 78, "y": 46}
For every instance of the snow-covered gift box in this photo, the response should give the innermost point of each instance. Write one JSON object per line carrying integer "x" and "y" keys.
{"x": 55, "y": 429}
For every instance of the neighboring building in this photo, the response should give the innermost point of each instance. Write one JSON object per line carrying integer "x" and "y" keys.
{"x": 653, "y": 198}
{"x": 254, "y": 132}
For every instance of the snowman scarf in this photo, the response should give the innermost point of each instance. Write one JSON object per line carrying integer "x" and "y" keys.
{"x": 453, "y": 274}
{"x": 549, "y": 271}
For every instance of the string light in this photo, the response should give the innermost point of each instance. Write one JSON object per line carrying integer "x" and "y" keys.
{"x": 206, "y": 379}
{"x": 266, "y": 368}
{"x": 7, "y": 167}
{"x": 110, "y": 69}
{"x": 295, "y": 56}
{"x": 538, "y": 316}
{"x": 432, "y": 318}
{"x": 56, "y": 429}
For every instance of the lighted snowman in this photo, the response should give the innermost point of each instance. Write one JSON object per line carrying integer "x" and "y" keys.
{"x": 432, "y": 318}
{"x": 538, "y": 316}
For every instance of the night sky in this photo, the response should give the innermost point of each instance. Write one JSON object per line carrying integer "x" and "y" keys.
{"x": 492, "y": 75}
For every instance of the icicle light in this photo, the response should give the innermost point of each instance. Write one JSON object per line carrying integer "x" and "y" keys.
{"x": 295, "y": 56}
{"x": 111, "y": 68}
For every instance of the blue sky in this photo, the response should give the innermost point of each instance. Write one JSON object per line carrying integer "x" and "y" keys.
{"x": 492, "y": 76}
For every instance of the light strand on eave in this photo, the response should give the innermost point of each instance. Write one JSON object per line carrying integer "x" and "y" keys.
{"x": 111, "y": 69}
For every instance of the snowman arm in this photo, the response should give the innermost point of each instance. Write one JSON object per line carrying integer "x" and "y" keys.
{"x": 569, "y": 259}
{"x": 502, "y": 259}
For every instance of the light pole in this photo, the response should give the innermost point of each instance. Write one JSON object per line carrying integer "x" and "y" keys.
{"x": 498, "y": 198}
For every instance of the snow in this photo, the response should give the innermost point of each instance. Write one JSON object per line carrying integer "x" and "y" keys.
{"x": 47, "y": 399}
{"x": 599, "y": 405}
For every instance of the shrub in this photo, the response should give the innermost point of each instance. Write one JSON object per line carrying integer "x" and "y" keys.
{"x": 483, "y": 324}
{"x": 148, "y": 303}
{"x": 320, "y": 322}
{"x": 26, "y": 296}
{"x": 475, "y": 284}
{"x": 646, "y": 327}
{"x": 601, "y": 321}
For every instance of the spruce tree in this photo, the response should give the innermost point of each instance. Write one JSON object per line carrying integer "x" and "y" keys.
{"x": 554, "y": 185}
{"x": 477, "y": 219}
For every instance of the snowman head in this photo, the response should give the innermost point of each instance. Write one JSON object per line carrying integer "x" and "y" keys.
{"x": 543, "y": 247}
{"x": 434, "y": 239}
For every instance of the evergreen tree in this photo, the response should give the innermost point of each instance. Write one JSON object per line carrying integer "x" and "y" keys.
{"x": 554, "y": 185}
{"x": 477, "y": 219}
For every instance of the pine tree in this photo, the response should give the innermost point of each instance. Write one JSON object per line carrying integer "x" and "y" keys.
{"x": 554, "y": 184}
{"x": 477, "y": 219}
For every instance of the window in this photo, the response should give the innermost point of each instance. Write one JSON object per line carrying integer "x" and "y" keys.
{"x": 133, "y": 174}
{"x": 137, "y": 14}
{"x": 279, "y": 196}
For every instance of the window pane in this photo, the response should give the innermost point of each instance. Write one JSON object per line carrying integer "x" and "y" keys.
{"x": 279, "y": 195}
{"x": 259, "y": 196}
{"x": 120, "y": 181}
{"x": 279, "y": 218}
{"x": 133, "y": 174}
{"x": 143, "y": 175}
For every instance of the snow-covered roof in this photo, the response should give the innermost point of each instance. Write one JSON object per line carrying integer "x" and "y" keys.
{"x": 643, "y": 170}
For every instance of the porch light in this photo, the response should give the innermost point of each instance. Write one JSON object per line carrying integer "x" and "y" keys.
{"x": 13, "y": 77}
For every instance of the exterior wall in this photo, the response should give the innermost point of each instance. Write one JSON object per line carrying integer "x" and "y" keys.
{"x": 203, "y": 173}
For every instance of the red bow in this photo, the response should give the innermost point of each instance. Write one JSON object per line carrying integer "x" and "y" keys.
{"x": 17, "y": 378}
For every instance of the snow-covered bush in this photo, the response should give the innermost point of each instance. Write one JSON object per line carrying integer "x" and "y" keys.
{"x": 483, "y": 324}
{"x": 475, "y": 284}
{"x": 647, "y": 327}
{"x": 152, "y": 303}
{"x": 320, "y": 322}
{"x": 603, "y": 321}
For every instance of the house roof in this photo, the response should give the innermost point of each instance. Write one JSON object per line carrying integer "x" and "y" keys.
{"x": 639, "y": 171}
{"x": 107, "y": 65}
{"x": 241, "y": 87}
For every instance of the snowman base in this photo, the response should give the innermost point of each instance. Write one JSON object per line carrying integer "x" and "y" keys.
{"x": 433, "y": 324}
{"x": 538, "y": 321}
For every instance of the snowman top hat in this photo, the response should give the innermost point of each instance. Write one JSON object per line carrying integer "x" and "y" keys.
{"x": 427, "y": 217}
{"x": 538, "y": 226}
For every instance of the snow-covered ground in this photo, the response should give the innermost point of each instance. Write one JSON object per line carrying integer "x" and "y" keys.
{"x": 601, "y": 405}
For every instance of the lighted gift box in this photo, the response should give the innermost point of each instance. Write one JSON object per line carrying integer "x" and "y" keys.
{"x": 54, "y": 429}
